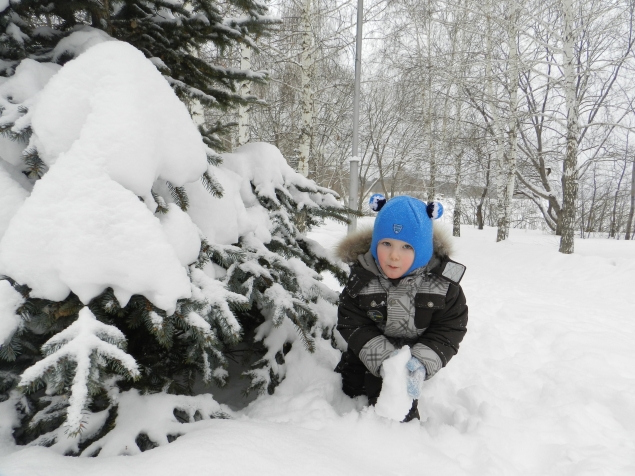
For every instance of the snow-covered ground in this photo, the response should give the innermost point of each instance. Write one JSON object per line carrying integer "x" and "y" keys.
{"x": 544, "y": 384}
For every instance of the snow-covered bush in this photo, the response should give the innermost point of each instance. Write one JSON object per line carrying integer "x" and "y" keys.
{"x": 134, "y": 255}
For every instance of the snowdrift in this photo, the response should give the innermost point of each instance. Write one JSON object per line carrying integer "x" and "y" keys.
{"x": 543, "y": 385}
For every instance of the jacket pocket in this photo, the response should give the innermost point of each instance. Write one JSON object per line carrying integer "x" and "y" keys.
{"x": 425, "y": 306}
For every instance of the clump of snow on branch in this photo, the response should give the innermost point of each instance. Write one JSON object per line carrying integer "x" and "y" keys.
{"x": 108, "y": 126}
{"x": 182, "y": 234}
{"x": 78, "y": 42}
{"x": 98, "y": 235}
{"x": 250, "y": 173}
{"x": 154, "y": 417}
{"x": 217, "y": 297}
{"x": 223, "y": 220}
{"x": 61, "y": 439}
{"x": 264, "y": 166}
{"x": 114, "y": 101}
{"x": 17, "y": 95}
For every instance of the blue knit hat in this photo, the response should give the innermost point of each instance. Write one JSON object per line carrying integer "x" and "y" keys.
{"x": 407, "y": 219}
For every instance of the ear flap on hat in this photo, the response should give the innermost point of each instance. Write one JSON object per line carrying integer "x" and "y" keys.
{"x": 376, "y": 202}
{"x": 435, "y": 210}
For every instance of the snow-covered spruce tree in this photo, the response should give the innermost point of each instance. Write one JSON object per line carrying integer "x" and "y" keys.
{"x": 110, "y": 300}
{"x": 86, "y": 236}
{"x": 275, "y": 266}
{"x": 169, "y": 33}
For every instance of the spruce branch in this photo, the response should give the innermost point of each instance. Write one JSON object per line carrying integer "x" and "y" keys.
{"x": 73, "y": 361}
{"x": 180, "y": 196}
{"x": 162, "y": 207}
{"x": 212, "y": 185}
{"x": 35, "y": 166}
{"x": 23, "y": 135}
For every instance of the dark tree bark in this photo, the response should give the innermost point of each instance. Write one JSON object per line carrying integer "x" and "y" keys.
{"x": 479, "y": 208}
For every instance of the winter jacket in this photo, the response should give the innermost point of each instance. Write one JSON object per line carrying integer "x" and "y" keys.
{"x": 425, "y": 310}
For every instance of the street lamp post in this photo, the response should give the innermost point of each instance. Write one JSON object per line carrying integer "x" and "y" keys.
{"x": 354, "y": 160}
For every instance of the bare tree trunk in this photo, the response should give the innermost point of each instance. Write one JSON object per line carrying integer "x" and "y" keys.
{"x": 508, "y": 175}
{"x": 602, "y": 216}
{"x": 479, "y": 208}
{"x": 456, "y": 218}
{"x": 582, "y": 214}
{"x": 430, "y": 123}
{"x": 613, "y": 228}
{"x": 570, "y": 165}
{"x": 630, "y": 233}
{"x": 591, "y": 219}
{"x": 496, "y": 126}
{"x": 431, "y": 140}
{"x": 306, "y": 101}
{"x": 245, "y": 90}
{"x": 444, "y": 123}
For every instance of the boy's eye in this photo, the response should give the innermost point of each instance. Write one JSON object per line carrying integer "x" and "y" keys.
{"x": 407, "y": 247}
{"x": 385, "y": 243}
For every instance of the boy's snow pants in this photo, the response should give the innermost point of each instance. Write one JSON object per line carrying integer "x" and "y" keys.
{"x": 356, "y": 379}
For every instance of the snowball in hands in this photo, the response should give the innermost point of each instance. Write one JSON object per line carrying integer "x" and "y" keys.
{"x": 394, "y": 401}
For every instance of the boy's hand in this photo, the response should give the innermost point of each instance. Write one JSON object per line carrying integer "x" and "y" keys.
{"x": 416, "y": 378}
{"x": 414, "y": 364}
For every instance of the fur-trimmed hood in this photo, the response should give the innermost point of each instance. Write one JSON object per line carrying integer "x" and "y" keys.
{"x": 354, "y": 246}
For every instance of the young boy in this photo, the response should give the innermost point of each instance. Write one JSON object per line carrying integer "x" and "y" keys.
{"x": 403, "y": 290}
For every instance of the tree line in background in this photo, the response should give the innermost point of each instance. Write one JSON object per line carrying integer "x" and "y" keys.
{"x": 518, "y": 113}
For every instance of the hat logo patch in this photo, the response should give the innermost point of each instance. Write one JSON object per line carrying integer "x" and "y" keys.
{"x": 397, "y": 228}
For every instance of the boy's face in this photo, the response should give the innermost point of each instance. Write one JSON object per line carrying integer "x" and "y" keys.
{"x": 395, "y": 257}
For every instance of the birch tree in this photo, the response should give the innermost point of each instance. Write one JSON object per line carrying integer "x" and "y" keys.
{"x": 630, "y": 232}
{"x": 307, "y": 115}
{"x": 585, "y": 46}
{"x": 245, "y": 91}
{"x": 307, "y": 64}
{"x": 495, "y": 125}
{"x": 507, "y": 168}
{"x": 570, "y": 164}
